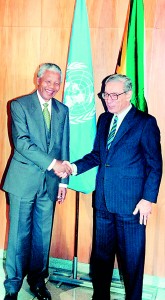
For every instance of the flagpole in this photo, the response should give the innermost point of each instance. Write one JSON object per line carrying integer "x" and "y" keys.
{"x": 68, "y": 277}
{"x": 76, "y": 236}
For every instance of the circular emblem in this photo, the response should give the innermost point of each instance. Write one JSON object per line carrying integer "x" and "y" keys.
{"x": 79, "y": 93}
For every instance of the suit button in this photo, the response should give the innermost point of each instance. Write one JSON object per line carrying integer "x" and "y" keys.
{"x": 107, "y": 165}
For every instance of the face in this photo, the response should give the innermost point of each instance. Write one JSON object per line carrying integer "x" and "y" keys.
{"x": 123, "y": 101}
{"x": 49, "y": 84}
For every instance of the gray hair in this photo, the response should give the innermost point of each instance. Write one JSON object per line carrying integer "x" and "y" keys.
{"x": 50, "y": 67}
{"x": 122, "y": 78}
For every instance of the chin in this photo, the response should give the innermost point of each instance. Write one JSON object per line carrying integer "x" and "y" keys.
{"x": 47, "y": 98}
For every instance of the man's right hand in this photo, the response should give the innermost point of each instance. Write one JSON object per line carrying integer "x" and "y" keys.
{"x": 62, "y": 168}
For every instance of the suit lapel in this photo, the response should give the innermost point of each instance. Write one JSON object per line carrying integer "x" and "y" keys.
{"x": 127, "y": 123}
{"x": 55, "y": 121}
{"x": 38, "y": 119}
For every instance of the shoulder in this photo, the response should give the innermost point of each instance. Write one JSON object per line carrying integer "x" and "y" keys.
{"x": 144, "y": 120}
{"x": 104, "y": 120}
{"x": 60, "y": 105}
{"x": 23, "y": 100}
{"x": 106, "y": 116}
{"x": 143, "y": 115}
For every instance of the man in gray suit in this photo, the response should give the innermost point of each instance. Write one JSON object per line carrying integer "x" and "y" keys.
{"x": 41, "y": 142}
{"x": 127, "y": 152}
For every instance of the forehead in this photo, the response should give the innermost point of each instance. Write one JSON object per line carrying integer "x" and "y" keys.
{"x": 51, "y": 75}
{"x": 114, "y": 86}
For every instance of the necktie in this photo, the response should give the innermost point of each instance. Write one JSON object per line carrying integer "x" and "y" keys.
{"x": 112, "y": 132}
{"x": 46, "y": 115}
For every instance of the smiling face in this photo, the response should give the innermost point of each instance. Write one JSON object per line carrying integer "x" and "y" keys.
{"x": 49, "y": 84}
{"x": 123, "y": 101}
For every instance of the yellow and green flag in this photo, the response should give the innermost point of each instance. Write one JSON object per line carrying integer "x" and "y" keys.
{"x": 79, "y": 97}
{"x": 131, "y": 57}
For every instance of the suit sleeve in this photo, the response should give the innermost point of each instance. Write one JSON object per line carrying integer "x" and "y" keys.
{"x": 152, "y": 151}
{"x": 91, "y": 159}
{"x": 22, "y": 141}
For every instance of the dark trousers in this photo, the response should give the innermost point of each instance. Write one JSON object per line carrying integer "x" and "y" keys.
{"x": 29, "y": 239}
{"x": 124, "y": 236}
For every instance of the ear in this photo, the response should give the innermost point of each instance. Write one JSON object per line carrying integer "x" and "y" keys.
{"x": 129, "y": 95}
{"x": 38, "y": 80}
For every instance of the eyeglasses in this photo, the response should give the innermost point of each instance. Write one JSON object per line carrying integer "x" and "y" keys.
{"x": 113, "y": 96}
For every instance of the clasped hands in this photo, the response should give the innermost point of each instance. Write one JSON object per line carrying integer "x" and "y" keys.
{"x": 63, "y": 168}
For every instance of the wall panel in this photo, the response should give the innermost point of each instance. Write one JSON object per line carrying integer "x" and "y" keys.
{"x": 57, "y": 13}
{"x": 150, "y": 8}
{"x": 20, "y": 13}
{"x": 107, "y": 14}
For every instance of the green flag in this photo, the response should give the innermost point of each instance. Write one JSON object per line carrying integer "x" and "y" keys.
{"x": 131, "y": 56}
{"x": 79, "y": 97}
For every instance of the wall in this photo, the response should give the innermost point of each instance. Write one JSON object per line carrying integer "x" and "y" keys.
{"x": 33, "y": 32}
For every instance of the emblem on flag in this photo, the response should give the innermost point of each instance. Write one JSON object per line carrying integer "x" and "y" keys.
{"x": 79, "y": 93}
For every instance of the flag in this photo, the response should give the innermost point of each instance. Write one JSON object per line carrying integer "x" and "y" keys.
{"x": 79, "y": 97}
{"x": 131, "y": 57}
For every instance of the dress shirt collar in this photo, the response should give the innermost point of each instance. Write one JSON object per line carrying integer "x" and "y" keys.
{"x": 42, "y": 101}
{"x": 121, "y": 117}
{"x": 124, "y": 112}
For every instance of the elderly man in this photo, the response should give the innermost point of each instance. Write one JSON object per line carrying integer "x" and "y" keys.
{"x": 40, "y": 132}
{"x": 128, "y": 152}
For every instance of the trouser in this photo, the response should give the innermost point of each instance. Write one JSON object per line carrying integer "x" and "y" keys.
{"x": 124, "y": 236}
{"x": 29, "y": 239}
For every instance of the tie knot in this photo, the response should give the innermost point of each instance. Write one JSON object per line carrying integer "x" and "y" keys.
{"x": 116, "y": 118}
{"x": 45, "y": 105}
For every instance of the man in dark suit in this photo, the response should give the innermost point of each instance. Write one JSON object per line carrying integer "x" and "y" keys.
{"x": 41, "y": 143}
{"x": 128, "y": 153}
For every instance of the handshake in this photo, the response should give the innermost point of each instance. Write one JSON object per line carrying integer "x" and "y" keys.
{"x": 63, "y": 168}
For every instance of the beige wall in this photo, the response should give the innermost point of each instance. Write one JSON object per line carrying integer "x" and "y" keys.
{"x": 32, "y": 32}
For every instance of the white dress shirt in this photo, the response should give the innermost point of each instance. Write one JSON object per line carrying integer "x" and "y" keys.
{"x": 121, "y": 117}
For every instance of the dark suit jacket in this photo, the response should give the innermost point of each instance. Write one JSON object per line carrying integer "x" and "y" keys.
{"x": 32, "y": 153}
{"x": 131, "y": 170}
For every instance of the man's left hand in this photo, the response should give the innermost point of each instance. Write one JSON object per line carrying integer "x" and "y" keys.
{"x": 144, "y": 207}
{"x": 61, "y": 194}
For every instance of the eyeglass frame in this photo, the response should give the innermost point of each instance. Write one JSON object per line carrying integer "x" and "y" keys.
{"x": 117, "y": 95}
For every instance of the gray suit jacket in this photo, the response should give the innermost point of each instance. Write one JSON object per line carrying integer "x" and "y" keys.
{"x": 32, "y": 154}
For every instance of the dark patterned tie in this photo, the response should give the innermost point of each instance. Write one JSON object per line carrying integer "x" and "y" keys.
{"x": 46, "y": 115}
{"x": 112, "y": 132}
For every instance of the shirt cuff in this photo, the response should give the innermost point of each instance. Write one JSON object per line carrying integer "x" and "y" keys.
{"x": 63, "y": 185}
{"x": 74, "y": 169}
{"x": 51, "y": 165}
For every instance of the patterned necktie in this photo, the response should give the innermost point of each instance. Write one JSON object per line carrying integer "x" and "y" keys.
{"x": 46, "y": 115}
{"x": 112, "y": 132}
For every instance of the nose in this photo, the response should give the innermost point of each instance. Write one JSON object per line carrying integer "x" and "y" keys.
{"x": 50, "y": 84}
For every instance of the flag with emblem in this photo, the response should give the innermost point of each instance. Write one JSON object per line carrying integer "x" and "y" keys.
{"x": 79, "y": 97}
{"x": 131, "y": 60}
